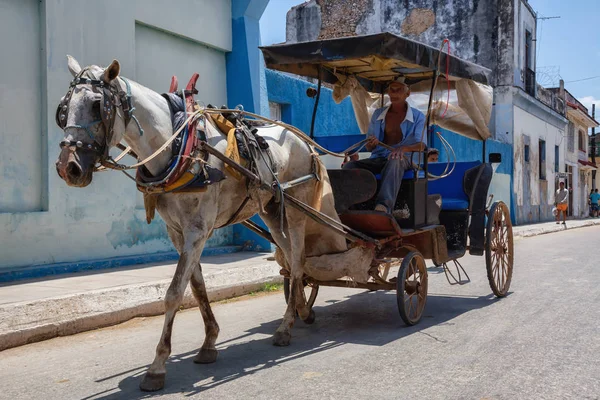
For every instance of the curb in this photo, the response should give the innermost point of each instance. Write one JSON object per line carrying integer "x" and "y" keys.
{"x": 554, "y": 228}
{"x": 24, "y": 323}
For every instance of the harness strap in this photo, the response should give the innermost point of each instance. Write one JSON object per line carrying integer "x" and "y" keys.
{"x": 237, "y": 213}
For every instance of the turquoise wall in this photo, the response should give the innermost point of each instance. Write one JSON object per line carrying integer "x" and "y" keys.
{"x": 332, "y": 119}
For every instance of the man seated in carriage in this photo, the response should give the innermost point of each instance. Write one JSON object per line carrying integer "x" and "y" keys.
{"x": 402, "y": 127}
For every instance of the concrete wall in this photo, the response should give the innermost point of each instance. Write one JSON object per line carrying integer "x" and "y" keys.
{"x": 534, "y": 196}
{"x": 481, "y": 31}
{"x": 43, "y": 221}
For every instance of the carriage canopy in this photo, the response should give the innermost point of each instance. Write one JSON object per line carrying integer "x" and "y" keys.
{"x": 363, "y": 66}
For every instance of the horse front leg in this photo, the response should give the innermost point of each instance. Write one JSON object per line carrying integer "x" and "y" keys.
{"x": 193, "y": 243}
{"x": 208, "y": 352}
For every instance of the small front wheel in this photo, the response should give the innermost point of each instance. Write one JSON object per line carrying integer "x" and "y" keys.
{"x": 411, "y": 288}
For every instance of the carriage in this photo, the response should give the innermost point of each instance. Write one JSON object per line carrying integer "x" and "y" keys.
{"x": 447, "y": 208}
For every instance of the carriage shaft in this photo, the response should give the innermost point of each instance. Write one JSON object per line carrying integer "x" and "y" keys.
{"x": 323, "y": 219}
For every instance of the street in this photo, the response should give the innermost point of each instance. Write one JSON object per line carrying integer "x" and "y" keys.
{"x": 540, "y": 342}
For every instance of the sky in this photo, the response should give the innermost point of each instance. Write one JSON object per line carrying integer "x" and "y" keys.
{"x": 567, "y": 47}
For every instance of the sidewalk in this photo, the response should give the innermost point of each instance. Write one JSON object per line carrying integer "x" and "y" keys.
{"x": 550, "y": 227}
{"x": 41, "y": 309}
{"x": 35, "y": 310}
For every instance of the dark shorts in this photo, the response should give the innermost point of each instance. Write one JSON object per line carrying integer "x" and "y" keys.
{"x": 595, "y": 207}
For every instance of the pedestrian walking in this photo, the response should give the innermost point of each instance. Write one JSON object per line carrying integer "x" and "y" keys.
{"x": 561, "y": 201}
{"x": 594, "y": 199}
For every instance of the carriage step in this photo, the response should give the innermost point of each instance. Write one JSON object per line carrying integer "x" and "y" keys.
{"x": 457, "y": 279}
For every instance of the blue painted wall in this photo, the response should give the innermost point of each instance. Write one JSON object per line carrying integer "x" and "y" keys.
{"x": 332, "y": 119}
{"x": 471, "y": 150}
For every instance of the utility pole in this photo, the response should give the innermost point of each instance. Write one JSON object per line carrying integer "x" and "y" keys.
{"x": 594, "y": 147}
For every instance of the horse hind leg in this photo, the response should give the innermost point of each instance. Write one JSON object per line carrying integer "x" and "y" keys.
{"x": 295, "y": 256}
{"x": 154, "y": 379}
{"x": 208, "y": 352}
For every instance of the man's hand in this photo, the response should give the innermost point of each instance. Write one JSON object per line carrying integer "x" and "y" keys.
{"x": 372, "y": 142}
{"x": 397, "y": 153}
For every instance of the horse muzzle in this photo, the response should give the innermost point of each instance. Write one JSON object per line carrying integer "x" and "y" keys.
{"x": 75, "y": 169}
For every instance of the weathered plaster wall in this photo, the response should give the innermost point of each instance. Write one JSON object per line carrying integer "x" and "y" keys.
{"x": 481, "y": 31}
{"x": 535, "y": 196}
{"x": 524, "y": 20}
{"x": 103, "y": 220}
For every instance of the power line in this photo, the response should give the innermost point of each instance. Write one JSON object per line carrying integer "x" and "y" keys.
{"x": 584, "y": 79}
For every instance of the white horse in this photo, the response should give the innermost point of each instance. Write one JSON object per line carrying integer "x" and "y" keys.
{"x": 191, "y": 217}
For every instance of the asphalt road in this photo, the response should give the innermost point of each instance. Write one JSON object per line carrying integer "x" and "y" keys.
{"x": 540, "y": 342}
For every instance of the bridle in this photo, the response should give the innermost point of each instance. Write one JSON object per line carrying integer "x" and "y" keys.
{"x": 112, "y": 98}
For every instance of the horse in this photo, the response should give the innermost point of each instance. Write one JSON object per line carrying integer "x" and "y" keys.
{"x": 91, "y": 128}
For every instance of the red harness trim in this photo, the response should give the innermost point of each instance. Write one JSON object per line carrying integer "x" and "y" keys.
{"x": 192, "y": 141}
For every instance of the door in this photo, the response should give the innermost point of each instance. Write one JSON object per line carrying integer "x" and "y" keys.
{"x": 569, "y": 185}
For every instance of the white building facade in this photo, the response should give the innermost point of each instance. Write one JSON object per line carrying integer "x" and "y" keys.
{"x": 44, "y": 222}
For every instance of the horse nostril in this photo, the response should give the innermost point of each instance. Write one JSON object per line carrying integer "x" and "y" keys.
{"x": 73, "y": 170}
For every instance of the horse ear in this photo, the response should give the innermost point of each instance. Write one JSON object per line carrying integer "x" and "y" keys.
{"x": 112, "y": 71}
{"x": 73, "y": 65}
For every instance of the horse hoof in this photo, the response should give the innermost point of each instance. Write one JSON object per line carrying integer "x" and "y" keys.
{"x": 206, "y": 356}
{"x": 152, "y": 382}
{"x": 282, "y": 339}
{"x": 310, "y": 319}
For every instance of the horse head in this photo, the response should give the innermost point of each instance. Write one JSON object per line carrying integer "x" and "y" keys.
{"x": 91, "y": 118}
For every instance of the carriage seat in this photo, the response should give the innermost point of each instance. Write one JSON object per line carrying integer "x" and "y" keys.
{"x": 451, "y": 188}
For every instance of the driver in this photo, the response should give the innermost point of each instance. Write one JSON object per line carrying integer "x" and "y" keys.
{"x": 397, "y": 125}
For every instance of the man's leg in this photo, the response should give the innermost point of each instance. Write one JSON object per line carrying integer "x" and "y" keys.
{"x": 391, "y": 180}
{"x": 374, "y": 165}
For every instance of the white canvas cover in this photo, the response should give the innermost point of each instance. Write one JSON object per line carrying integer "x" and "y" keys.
{"x": 468, "y": 110}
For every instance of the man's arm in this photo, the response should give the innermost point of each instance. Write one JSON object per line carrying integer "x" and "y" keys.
{"x": 372, "y": 132}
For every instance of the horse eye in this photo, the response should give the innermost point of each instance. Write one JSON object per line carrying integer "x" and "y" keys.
{"x": 96, "y": 108}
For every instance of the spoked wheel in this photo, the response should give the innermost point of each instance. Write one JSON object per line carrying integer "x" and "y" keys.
{"x": 411, "y": 288}
{"x": 310, "y": 292}
{"x": 499, "y": 249}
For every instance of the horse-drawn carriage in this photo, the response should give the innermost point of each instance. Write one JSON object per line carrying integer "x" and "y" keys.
{"x": 185, "y": 153}
{"x": 448, "y": 210}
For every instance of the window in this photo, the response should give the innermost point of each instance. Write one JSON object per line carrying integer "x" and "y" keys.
{"x": 529, "y": 72}
{"x": 581, "y": 140}
{"x": 526, "y": 153}
{"x": 571, "y": 138}
{"x": 275, "y": 111}
{"x": 556, "y": 158}
{"x": 528, "y": 50}
{"x": 542, "y": 161}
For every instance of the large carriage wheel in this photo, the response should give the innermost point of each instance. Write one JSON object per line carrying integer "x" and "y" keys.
{"x": 310, "y": 297}
{"x": 499, "y": 249}
{"x": 411, "y": 288}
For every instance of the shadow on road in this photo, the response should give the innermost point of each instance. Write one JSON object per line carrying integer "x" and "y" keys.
{"x": 367, "y": 318}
